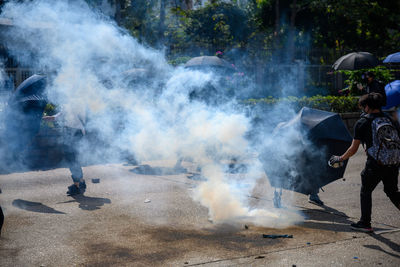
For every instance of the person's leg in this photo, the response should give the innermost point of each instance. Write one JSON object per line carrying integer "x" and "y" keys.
{"x": 369, "y": 180}
{"x": 1, "y": 219}
{"x": 390, "y": 180}
{"x": 314, "y": 198}
{"x": 71, "y": 156}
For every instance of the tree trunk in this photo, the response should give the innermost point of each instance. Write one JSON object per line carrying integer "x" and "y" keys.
{"x": 188, "y": 4}
{"x": 276, "y": 43}
{"x": 119, "y": 5}
{"x": 161, "y": 27}
{"x": 277, "y": 18}
{"x": 292, "y": 29}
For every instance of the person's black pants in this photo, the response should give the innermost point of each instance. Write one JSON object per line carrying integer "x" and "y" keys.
{"x": 372, "y": 174}
{"x": 1, "y": 219}
{"x": 72, "y": 138}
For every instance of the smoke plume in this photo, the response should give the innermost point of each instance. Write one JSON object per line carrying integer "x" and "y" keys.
{"x": 135, "y": 101}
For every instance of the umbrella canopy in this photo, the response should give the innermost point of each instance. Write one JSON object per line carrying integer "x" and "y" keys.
{"x": 32, "y": 89}
{"x": 306, "y": 167}
{"x": 24, "y": 112}
{"x": 392, "y": 94}
{"x": 209, "y": 61}
{"x": 392, "y": 58}
{"x": 356, "y": 61}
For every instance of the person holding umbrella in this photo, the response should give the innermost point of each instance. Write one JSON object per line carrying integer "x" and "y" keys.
{"x": 381, "y": 138}
{"x": 374, "y": 86}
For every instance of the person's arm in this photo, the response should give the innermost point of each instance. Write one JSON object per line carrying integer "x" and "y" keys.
{"x": 351, "y": 150}
{"x": 51, "y": 118}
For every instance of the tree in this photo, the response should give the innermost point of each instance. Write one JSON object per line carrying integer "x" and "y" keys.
{"x": 357, "y": 25}
{"x": 217, "y": 26}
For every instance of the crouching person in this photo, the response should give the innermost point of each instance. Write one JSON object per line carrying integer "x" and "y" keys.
{"x": 380, "y": 135}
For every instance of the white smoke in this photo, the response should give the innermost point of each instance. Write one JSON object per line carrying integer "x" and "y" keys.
{"x": 87, "y": 56}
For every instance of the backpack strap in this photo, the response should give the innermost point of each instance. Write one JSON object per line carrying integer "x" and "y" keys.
{"x": 370, "y": 118}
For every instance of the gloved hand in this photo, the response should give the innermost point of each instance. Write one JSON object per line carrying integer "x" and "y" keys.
{"x": 335, "y": 162}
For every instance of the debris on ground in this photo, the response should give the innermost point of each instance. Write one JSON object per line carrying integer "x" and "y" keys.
{"x": 196, "y": 177}
{"x": 260, "y": 257}
{"x": 277, "y": 236}
{"x": 308, "y": 243}
{"x": 246, "y": 226}
{"x": 147, "y": 200}
{"x": 95, "y": 180}
{"x": 144, "y": 169}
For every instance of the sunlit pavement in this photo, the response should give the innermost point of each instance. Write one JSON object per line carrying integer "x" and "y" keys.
{"x": 131, "y": 219}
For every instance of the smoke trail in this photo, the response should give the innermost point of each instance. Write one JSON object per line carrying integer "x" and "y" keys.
{"x": 88, "y": 57}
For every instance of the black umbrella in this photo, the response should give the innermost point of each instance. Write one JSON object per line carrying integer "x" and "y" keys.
{"x": 24, "y": 112}
{"x": 356, "y": 61}
{"x": 304, "y": 169}
{"x": 209, "y": 61}
{"x": 32, "y": 89}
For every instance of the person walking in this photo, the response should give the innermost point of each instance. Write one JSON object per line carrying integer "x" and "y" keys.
{"x": 73, "y": 121}
{"x": 380, "y": 136}
{"x": 1, "y": 217}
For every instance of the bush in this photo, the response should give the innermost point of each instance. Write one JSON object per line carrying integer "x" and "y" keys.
{"x": 337, "y": 104}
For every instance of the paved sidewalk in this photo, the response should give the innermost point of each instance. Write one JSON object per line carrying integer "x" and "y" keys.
{"x": 131, "y": 219}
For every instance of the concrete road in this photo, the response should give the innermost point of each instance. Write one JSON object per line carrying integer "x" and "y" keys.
{"x": 134, "y": 219}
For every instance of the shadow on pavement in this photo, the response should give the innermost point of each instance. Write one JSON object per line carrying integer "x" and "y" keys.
{"x": 327, "y": 214}
{"x": 381, "y": 249}
{"x": 89, "y": 203}
{"x": 331, "y": 219}
{"x": 34, "y": 206}
{"x": 389, "y": 243}
{"x": 148, "y": 170}
{"x": 327, "y": 219}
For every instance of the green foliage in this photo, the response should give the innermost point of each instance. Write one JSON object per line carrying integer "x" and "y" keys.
{"x": 50, "y": 110}
{"x": 357, "y": 25}
{"x": 354, "y": 77}
{"x": 338, "y": 104}
{"x": 217, "y": 26}
{"x": 179, "y": 61}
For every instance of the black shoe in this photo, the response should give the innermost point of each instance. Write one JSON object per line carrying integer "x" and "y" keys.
{"x": 73, "y": 190}
{"x": 82, "y": 187}
{"x": 314, "y": 198}
{"x": 362, "y": 227}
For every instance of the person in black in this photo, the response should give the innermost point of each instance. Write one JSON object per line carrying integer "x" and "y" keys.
{"x": 1, "y": 218}
{"x": 374, "y": 86}
{"x": 373, "y": 172}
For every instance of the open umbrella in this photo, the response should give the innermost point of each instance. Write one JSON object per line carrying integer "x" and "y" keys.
{"x": 356, "y": 61}
{"x": 32, "y": 89}
{"x": 304, "y": 169}
{"x": 23, "y": 113}
{"x": 392, "y": 94}
{"x": 209, "y": 61}
{"x": 392, "y": 58}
